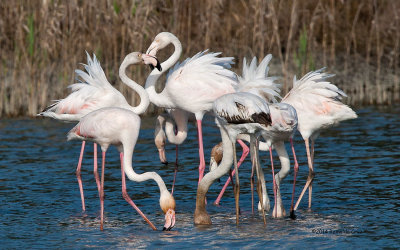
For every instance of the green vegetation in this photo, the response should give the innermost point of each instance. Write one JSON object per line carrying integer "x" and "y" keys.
{"x": 31, "y": 36}
{"x": 302, "y": 58}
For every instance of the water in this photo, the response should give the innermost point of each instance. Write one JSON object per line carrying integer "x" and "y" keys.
{"x": 356, "y": 199}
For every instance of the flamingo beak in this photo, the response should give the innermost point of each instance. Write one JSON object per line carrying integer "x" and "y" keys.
{"x": 152, "y": 61}
{"x": 152, "y": 50}
{"x": 169, "y": 220}
{"x": 163, "y": 158}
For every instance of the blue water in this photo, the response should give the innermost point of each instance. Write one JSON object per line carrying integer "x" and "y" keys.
{"x": 356, "y": 201}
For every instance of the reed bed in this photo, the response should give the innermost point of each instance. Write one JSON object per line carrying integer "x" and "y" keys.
{"x": 43, "y": 41}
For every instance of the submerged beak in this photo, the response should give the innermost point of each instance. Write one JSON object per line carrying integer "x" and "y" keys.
{"x": 169, "y": 220}
{"x": 161, "y": 154}
{"x": 152, "y": 61}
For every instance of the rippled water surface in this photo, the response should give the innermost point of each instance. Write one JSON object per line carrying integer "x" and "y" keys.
{"x": 356, "y": 199}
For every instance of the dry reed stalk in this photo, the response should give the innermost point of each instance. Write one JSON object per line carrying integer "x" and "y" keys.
{"x": 43, "y": 41}
{"x": 275, "y": 25}
{"x": 293, "y": 21}
{"x": 332, "y": 25}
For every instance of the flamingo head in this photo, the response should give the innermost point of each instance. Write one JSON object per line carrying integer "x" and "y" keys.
{"x": 152, "y": 61}
{"x": 160, "y": 41}
{"x": 216, "y": 156}
{"x": 159, "y": 140}
{"x": 167, "y": 204}
{"x": 133, "y": 58}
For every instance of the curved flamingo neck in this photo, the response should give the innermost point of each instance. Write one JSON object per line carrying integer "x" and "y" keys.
{"x": 161, "y": 99}
{"x": 177, "y": 138}
{"x": 180, "y": 119}
{"x": 133, "y": 176}
{"x": 144, "y": 97}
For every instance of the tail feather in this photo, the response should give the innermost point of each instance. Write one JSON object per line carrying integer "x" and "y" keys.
{"x": 48, "y": 108}
{"x": 255, "y": 80}
{"x": 95, "y": 74}
{"x": 313, "y": 92}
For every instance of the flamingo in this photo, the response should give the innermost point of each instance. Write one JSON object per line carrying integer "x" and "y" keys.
{"x": 236, "y": 113}
{"x": 319, "y": 106}
{"x": 192, "y": 85}
{"x": 175, "y": 121}
{"x": 92, "y": 92}
{"x": 283, "y": 127}
{"x": 254, "y": 80}
{"x": 120, "y": 127}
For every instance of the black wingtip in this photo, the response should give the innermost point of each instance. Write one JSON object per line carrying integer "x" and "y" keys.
{"x": 292, "y": 215}
{"x": 151, "y": 66}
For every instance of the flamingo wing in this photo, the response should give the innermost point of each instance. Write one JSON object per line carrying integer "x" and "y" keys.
{"x": 199, "y": 80}
{"x": 105, "y": 125}
{"x": 255, "y": 80}
{"x": 238, "y": 108}
{"x": 318, "y": 102}
{"x": 91, "y": 92}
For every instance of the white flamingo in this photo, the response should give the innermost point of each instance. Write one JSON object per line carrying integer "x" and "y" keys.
{"x": 95, "y": 92}
{"x": 253, "y": 80}
{"x": 236, "y": 113}
{"x": 192, "y": 85}
{"x": 283, "y": 127}
{"x": 175, "y": 122}
{"x": 120, "y": 127}
{"x": 319, "y": 106}
{"x": 92, "y": 92}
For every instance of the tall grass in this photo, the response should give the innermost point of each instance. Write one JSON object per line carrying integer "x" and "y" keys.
{"x": 43, "y": 41}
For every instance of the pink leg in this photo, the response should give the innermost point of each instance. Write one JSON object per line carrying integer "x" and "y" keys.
{"x": 176, "y": 169}
{"x": 102, "y": 191}
{"x": 78, "y": 175}
{"x": 95, "y": 171}
{"x": 244, "y": 155}
{"x": 95, "y": 166}
{"x": 273, "y": 180}
{"x": 126, "y": 196}
{"x": 202, "y": 165}
{"x": 310, "y": 175}
{"x": 296, "y": 169}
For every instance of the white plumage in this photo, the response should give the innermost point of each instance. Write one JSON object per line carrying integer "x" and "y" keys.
{"x": 319, "y": 106}
{"x": 92, "y": 92}
{"x": 241, "y": 108}
{"x": 120, "y": 127}
{"x": 255, "y": 80}
{"x": 195, "y": 83}
{"x": 318, "y": 103}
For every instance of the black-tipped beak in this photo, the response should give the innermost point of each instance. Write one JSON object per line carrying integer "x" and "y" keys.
{"x": 292, "y": 215}
{"x": 158, "y": 66}
{"x": 167, "y": 229}
{"x": 152, "y": 61}
{"x": 165, "y": 163}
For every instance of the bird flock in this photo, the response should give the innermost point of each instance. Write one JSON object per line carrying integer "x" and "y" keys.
{"x": 246, "y": 108}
